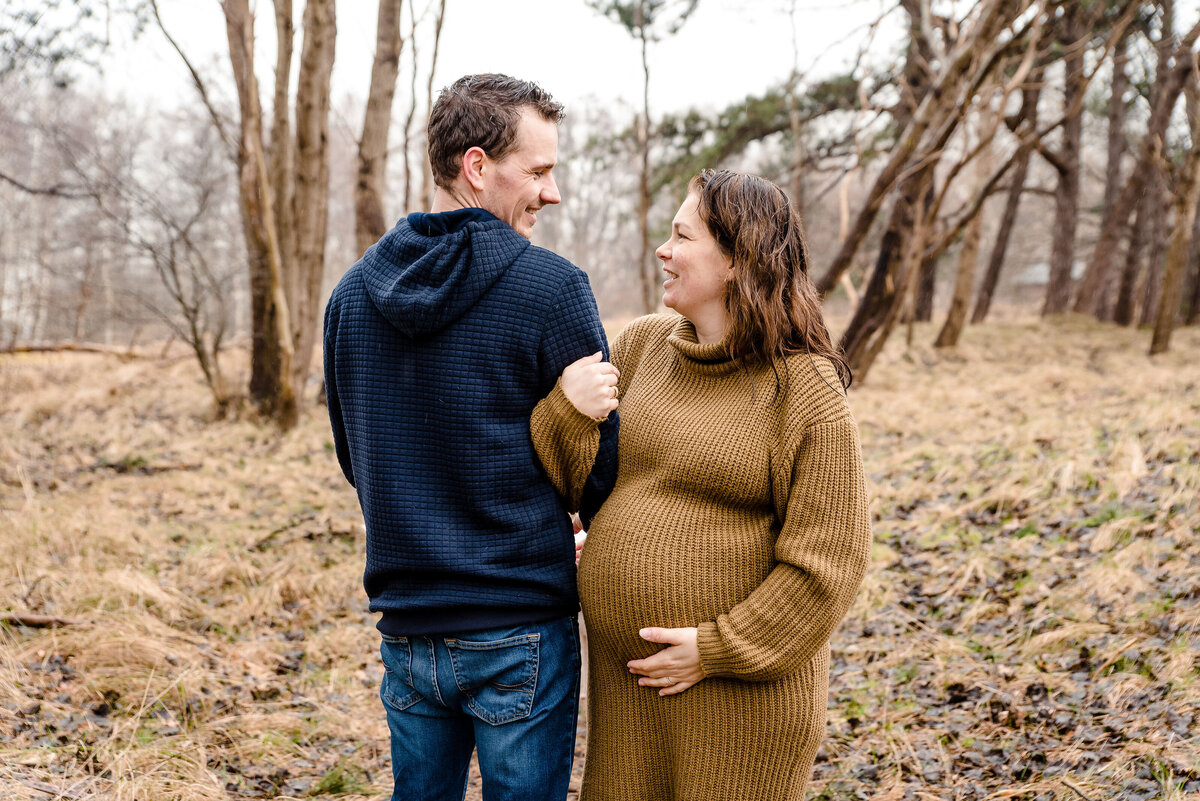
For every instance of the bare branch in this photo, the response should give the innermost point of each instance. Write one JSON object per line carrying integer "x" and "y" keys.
{"x": 58, "y": 190}
{"x": 218, "y": 123}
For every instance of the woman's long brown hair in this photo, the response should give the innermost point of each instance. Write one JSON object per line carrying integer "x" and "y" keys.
{"x": 774, "y": 310}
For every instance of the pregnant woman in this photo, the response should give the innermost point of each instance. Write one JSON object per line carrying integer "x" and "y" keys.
{"x": 737, "y": 532}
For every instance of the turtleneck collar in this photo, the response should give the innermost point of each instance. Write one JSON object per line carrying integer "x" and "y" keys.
{"x": 711, "y": 359}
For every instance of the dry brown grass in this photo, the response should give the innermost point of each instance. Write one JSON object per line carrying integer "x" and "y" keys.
{"x": 1029, "y": 624}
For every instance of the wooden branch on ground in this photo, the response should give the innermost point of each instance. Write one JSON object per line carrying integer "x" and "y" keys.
{"x": 124, "y": 353}
{"x": 1114, "y": 657}
{"x": 50, "y": 789}
{"x": 1077, "y": 791}
{"x": 299, "y": 520}
{"x": 75, "y": 347}
{"x": 38, "y": 621}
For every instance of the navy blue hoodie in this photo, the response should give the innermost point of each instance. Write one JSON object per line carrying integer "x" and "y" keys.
{"x": 438, "y": 344}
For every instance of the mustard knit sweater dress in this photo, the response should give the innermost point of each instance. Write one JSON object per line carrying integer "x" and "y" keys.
{"x": 744, "y": 517}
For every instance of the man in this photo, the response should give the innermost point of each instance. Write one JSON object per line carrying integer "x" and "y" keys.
{"x": 438, "y": 344}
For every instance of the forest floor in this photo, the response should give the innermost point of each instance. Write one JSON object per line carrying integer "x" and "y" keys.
{"x": 1029, "y": 628}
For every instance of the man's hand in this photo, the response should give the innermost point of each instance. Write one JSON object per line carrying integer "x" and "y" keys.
{"x": 674, "y": 669}
{"x": 591, "y": 386}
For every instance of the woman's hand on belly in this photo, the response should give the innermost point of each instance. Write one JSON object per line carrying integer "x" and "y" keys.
{"x": 673, "y": 669}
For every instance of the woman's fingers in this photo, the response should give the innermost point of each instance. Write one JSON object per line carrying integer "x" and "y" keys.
{"x": 674, "y": 668}
{"x": 590, "y": 385}
{"x": 676, "y": 688}
{"x": 651, "y": 669}
{"x": 665, "y": 681}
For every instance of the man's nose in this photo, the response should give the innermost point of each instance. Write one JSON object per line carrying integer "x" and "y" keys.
{"x": 550, "y": 191}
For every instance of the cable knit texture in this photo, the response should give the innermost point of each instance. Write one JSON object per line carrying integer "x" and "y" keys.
{"x": 735, "y": 511}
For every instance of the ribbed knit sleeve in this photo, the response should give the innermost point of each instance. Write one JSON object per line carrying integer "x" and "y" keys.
{"x": 566, "y": 442}
{"x": 573, "y": 331}
{"x": 822, "y": 552}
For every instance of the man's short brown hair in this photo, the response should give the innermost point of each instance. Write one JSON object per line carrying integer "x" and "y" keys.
{"x": 481, "y": 111}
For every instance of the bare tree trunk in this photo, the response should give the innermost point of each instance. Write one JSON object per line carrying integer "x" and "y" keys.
{"x": 975, "y": 47}
{"x": 1116, "y": 150}
{"x": 1193, "y": 302}
{"x": 426, "y": 174}
{"x": 370, "y": 220}
{"x": 271, "y": 349}
{"x": 312, "y": 179}
{"x": 883, "y": 297}
{"x": 645, "y": 255}
{"x": 1116, "y": 124}
{"x": 872, "y": 337}
{"x": 86, "y": 281}
{"x": 1150, "y": 149}
{"x": 1123, "y": 311}
{"x": 968, "y": 257}
{"x": 968, "y": 260}
{"x": 926, "y": 287}
{"x": 1066, "y": 195}
{"x": 884, "y": 292}
{"x": 795, "y": 125}
{"x": 412, "y": 108}
{"x": 1191, "y": 305}
{"x": 1177, "y": 254}
{"x": 281, "y": 148}
{"x": 1158, "y": 195}
{"x": 991, "y": 277}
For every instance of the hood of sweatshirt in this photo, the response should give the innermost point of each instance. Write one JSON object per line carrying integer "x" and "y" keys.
{"x": 428, "y": 270}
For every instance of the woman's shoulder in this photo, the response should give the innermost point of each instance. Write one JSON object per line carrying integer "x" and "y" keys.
{"x": 650, "y": 326}
{"x": 813, "y": 391}
{"x": 644, "y": 331}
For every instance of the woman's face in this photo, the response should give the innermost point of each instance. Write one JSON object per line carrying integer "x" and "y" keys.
{"x": 697, "y": 271}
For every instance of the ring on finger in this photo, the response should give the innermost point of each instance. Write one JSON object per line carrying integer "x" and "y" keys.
{"x": 614, "y": 389}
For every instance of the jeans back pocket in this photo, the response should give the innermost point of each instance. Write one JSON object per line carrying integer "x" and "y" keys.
{"x": 396, "y": 689}
{"x": 498, "y": 678}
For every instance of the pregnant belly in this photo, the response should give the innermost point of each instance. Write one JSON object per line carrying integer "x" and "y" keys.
{"x": 673, "y": 577}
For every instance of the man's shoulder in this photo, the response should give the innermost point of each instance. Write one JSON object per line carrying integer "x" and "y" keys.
{"x": 545, "y": 274}
{"x": 347, "y": 286}
{"x": 548, "y": 259}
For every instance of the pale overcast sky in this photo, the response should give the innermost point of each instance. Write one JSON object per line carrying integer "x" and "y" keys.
{"x": 726, "y": 50}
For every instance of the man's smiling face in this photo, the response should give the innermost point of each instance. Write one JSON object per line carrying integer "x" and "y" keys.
{"x": 521, "y": 183}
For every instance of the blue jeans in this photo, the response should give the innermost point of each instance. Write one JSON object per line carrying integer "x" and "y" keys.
{"x": 512, "y": 693}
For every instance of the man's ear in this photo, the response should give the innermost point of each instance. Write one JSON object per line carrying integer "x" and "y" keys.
{"x": 473, "y": 162}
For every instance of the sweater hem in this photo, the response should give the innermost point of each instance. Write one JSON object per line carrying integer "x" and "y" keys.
{"x": 413, "y": 622}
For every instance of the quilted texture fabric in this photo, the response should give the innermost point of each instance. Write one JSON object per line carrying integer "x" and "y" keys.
{"x": 438, "y": 343}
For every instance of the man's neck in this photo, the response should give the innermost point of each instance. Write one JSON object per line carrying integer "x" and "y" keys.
{"x": 453, "y": 199}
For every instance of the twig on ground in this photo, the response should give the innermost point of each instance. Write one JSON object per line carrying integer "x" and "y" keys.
{"x": 1114, "y": 657}
{"x": 1077, "y": 791}
{"x": 291, "y": 524}
{"x": 39, "y": 621}
{"x": 50, "y": 789}
{"x": 71, "y": 347}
